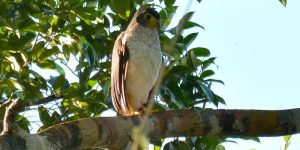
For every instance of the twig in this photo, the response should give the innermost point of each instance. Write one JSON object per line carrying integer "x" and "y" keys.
{"x": 23, "y": 104}
{"x": 9, "y": 117}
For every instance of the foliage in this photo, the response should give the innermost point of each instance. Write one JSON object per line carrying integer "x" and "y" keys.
{"x": 75, "y": 38}
{"x": 287, "y": 141}
{"x": 283, "y": 2}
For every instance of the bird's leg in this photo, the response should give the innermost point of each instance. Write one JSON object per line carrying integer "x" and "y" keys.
{"x": 135, "y": 113}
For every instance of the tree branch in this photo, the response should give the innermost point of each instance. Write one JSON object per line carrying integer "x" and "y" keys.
{"x": 12, "y": 107}
{"x": 116, "y": 132}
{"x": 22, "y": 104}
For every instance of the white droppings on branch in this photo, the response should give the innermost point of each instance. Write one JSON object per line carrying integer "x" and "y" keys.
{"x": 214, "y": 122}
{"x": 238, "y": 126}
{"x": 169, "y": 126}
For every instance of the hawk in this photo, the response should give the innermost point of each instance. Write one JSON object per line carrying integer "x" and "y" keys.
{"x": 136, "y": 63}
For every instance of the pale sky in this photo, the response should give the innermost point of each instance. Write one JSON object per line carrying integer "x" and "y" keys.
{"x": 258, "y": 47}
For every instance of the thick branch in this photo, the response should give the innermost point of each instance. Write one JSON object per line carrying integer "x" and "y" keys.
{"x": 115, "y": 132}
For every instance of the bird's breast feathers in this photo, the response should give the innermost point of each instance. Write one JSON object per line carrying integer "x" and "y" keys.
{"x": 143, "y": 68}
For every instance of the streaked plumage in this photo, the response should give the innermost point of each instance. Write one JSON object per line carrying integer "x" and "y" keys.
{"x": 136, "y": 62}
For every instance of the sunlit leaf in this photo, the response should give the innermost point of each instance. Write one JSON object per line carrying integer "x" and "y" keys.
{"x": 283, "y": 2}
{"x": 46, "y": 64}
{"x": 37, "y": 50}
{"x": 10, "y": 83}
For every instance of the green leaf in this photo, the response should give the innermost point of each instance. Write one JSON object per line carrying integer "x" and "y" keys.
{"x": 207, "y": 91}
{"x": 256, "y": 139}
{"x": 190, "y": 24}
{"x": 182, "y": 21}
{"x": 174, "y": 88}
{"x": 140, "y": 2}
{"x": 44, "y": 115}
{"x": 287, "y": 141}
{"x": 121, "y": 7}
{"x": 208, "y": 142}
{"x": 191, "y": 60}
{"x": 166, "y": 15}
{"x": 200, "y": 51}
{"x": 48, "y": 53}
{"x": 283, "y": 2}
{"x": 16, "y": 58}
{"x": 171, "y": 101}
{"x": 208, "y": 62}
{"x": 220, "y": 147}
{"x": 59, "y": 69}
{"x": 84, "y": 14}
{"x": 189, "y": 39}
{"x": 206, "y": 73}
{"x": 218, "y": 99}
{"x": 46, "y": 64}
{"x": 84, "y": 76}
{"x": 18, "y": 43}
{"x": 60, "y": 83}
{"x": 169, "y": 2}
{"x": 177, "y": 145}
{"x": 10, "y": 83}
{"x": 180, "y": 70}
{"x": 215, "y": 81}
{"x": 287, "y": 138}
{"x": 90, "y": 55}
{"x": 23, "y": 122}
{"x": 37, "y": 50}
{"x": 92, "y": 83}
{"x": 67, "y": 51}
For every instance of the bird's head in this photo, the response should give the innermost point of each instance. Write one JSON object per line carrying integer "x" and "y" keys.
{"x": 149, "y": 18}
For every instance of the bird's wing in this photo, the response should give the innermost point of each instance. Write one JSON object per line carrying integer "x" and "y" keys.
{"x": 120, "y": 58}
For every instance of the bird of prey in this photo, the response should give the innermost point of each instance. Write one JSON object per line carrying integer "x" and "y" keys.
{"x": 136, "y": 63}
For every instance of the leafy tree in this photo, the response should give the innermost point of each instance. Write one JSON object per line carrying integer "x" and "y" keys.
{"x": 73, "y": 40}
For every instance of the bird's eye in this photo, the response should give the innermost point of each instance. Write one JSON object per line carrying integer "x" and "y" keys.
{"x": 148, "y": 17}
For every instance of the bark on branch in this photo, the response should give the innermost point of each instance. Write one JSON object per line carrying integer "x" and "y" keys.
{"x": 116, "y": 132}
